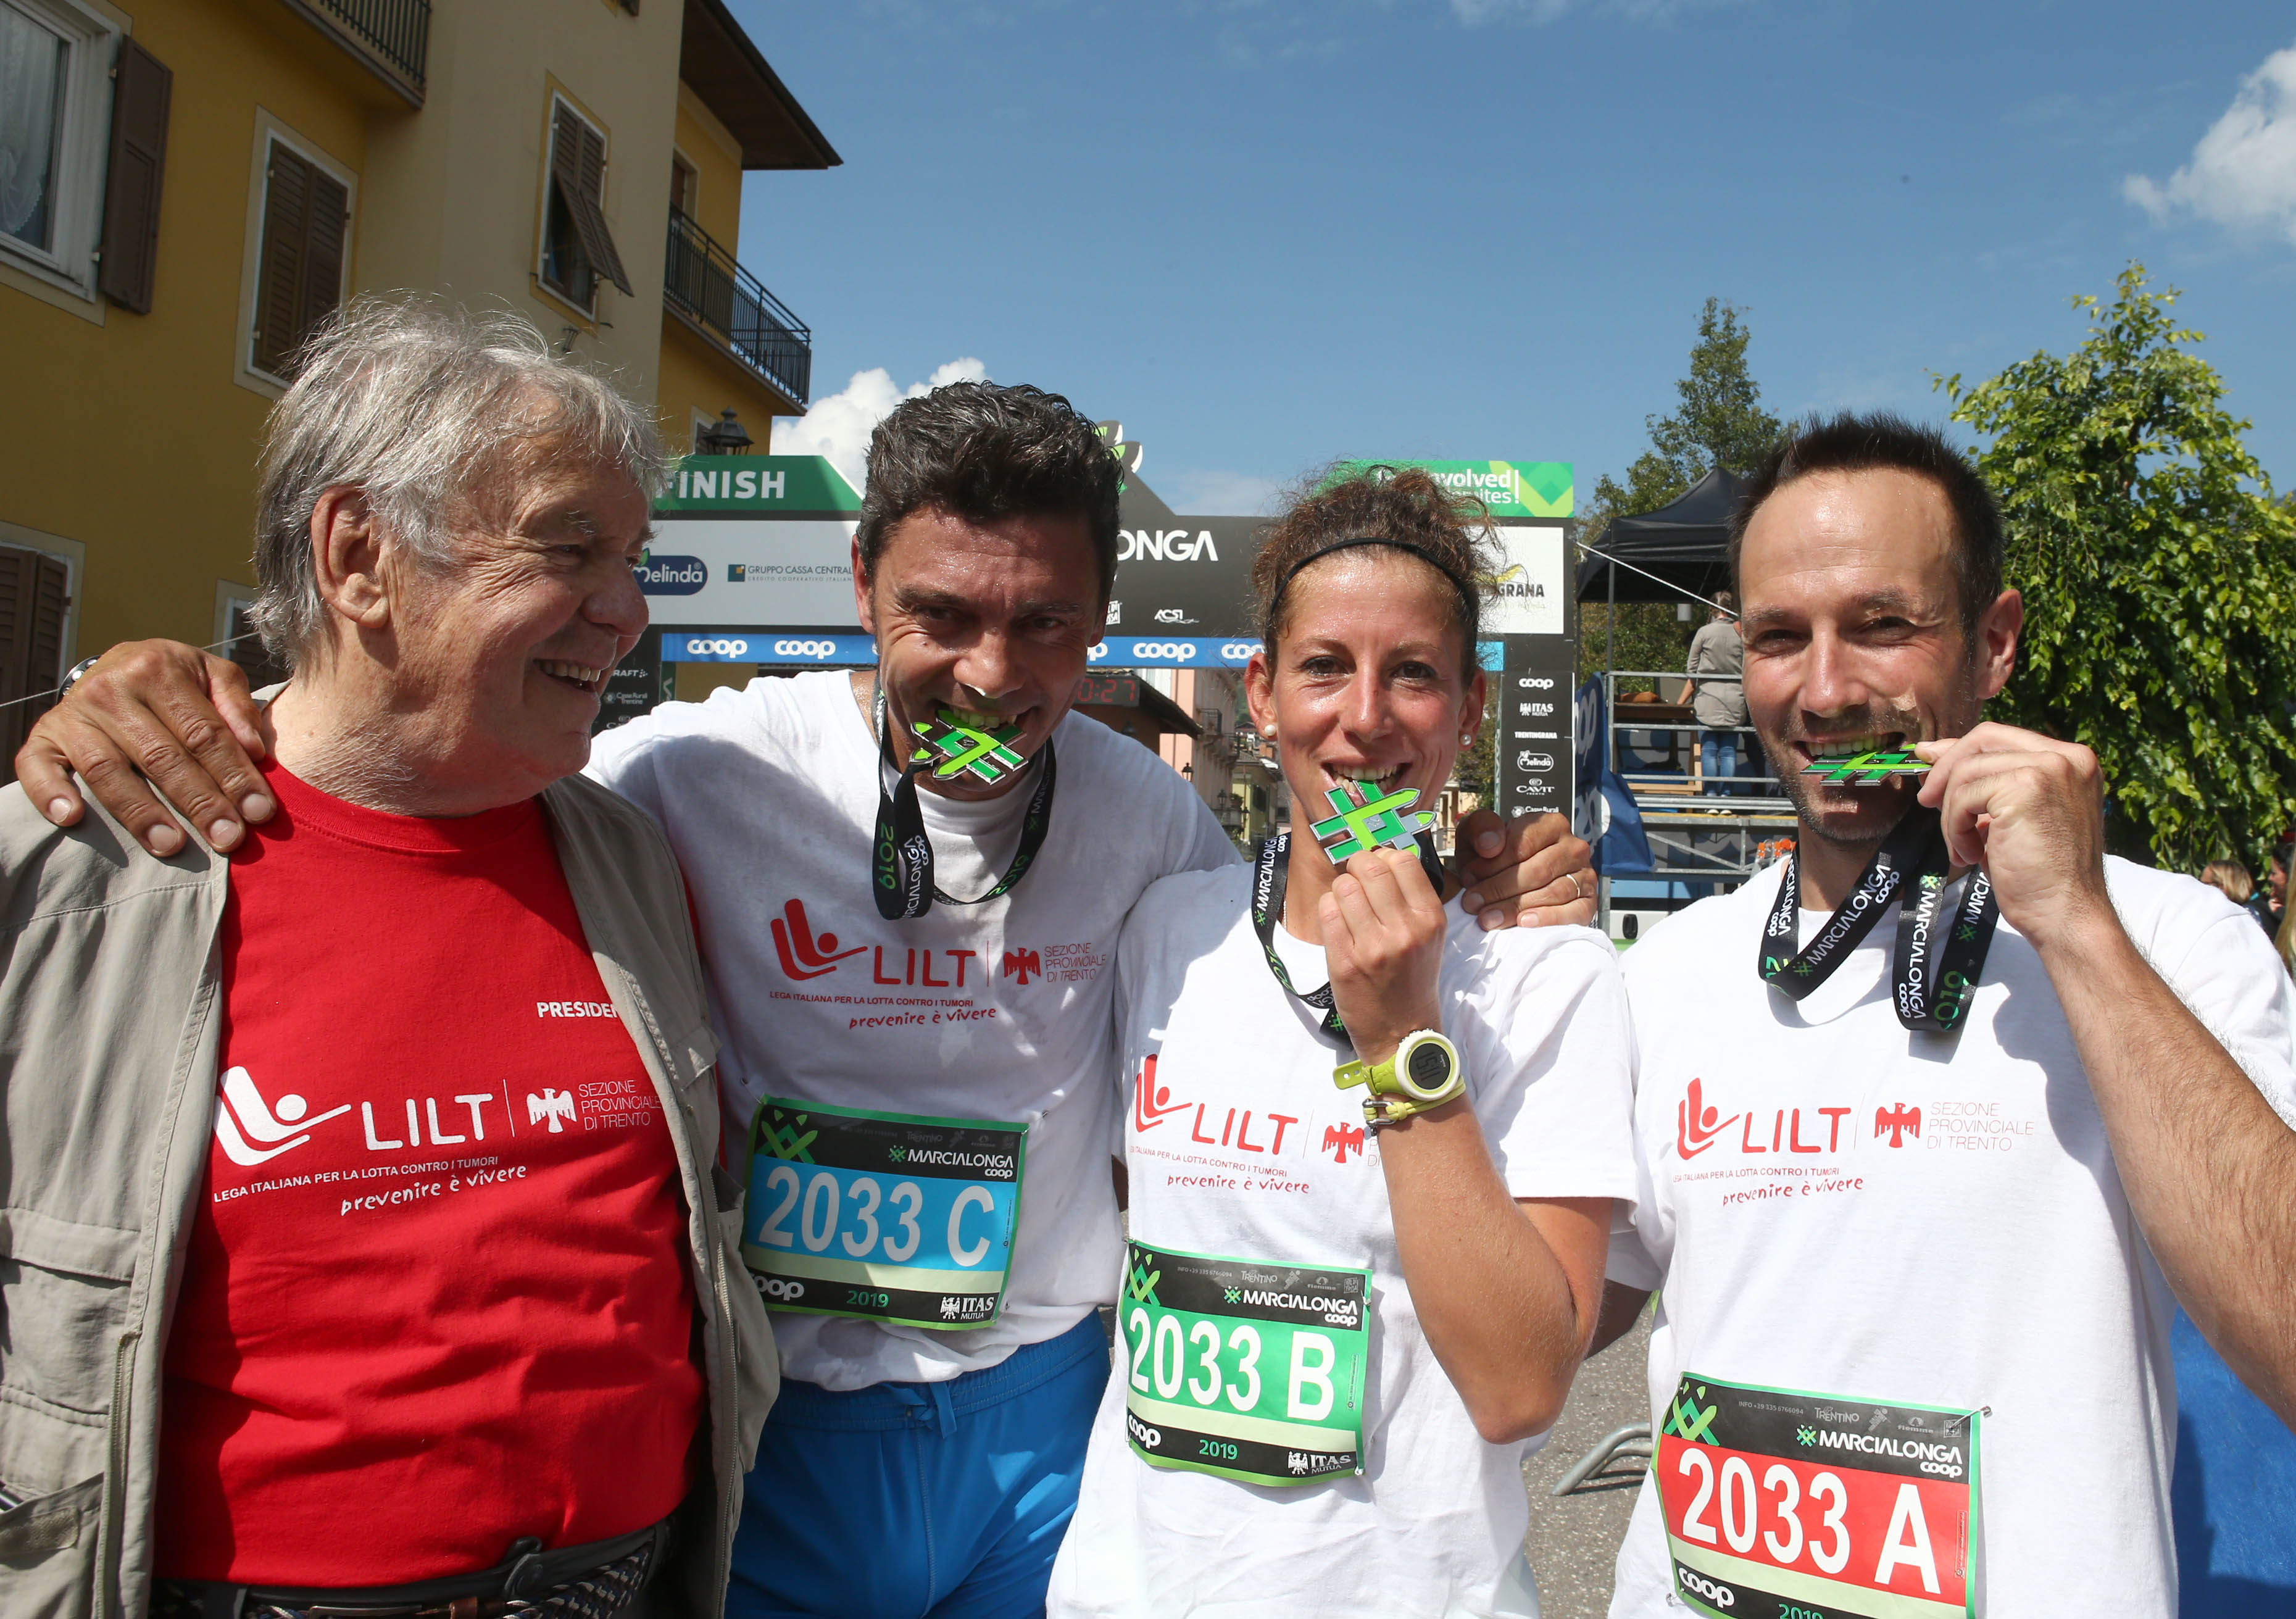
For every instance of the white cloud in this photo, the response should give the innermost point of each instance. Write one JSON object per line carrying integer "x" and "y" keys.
{"x": 2243, "y": 171}
{"x": 1474, "y": 13}
{"x": 837, "y": 428}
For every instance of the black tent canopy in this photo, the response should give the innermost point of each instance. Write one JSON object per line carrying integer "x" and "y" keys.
{"x": 1686, "y": 545}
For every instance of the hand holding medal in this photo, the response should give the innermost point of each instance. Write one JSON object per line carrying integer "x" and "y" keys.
{"x": 1382, "y": 921}
{"x": 2030, "y": 810}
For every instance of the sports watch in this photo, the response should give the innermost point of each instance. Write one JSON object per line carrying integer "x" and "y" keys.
{"x": 1423, "y": 1074}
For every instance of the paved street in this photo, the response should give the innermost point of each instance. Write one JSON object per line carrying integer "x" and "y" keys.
{"x": 1574, "y": 1540}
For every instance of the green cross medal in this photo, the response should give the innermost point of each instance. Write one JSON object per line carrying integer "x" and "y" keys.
{"x": 1357, "y": 825}
{"x": 1867, "y": 769}
{"x": 953, "y": 748}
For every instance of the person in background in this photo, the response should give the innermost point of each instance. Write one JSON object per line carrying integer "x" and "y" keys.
{"x": 2229, "y": 878}
{"x": 363, "y": 1216}
{"x": 1716, "y": 695}
{"x": 2269, "y": 904}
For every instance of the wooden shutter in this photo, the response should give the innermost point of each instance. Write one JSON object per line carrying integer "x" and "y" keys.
{"x": 577, "y": 166}
{"x": 139, "y": 93}
{"x": 301, "y": 282}
{"x": 33, "y": 600}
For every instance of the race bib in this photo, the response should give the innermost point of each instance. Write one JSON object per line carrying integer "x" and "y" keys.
{"x": 887, "y": 1216}
{"x": 1782, "y": 1505}
{"x": 1247, "y": 1371}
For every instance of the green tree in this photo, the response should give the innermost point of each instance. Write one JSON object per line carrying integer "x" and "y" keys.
{"x": 2159, "y": 573}
{"x": 1719, "y": 421}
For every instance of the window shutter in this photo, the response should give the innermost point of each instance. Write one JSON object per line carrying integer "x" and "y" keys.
{"x": 303, "y": 212}
{"x": 33, "y": 599}
{"x": 141, "y": 90}
{"x": 577, "y": 163}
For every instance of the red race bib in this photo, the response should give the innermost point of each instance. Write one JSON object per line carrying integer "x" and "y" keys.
{"x": 1784, "y": 1505}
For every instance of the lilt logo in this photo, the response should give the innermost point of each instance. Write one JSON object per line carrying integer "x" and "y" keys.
{"x": 1899, "y": 1122}
{"x": 551, "y": 1104}
{"x": 1697, "y": 1124}
{"x": 1153, "y": 1104}
{"x": 805, "y": 955}
{"x": 241, "y": 1112}
{"x": 1341, "y": 1139}
{"x": 1020, "y": 966}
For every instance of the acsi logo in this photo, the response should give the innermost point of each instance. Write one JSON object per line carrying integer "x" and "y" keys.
{"x": 241, "y": 1112}
{"x": 1341, "y": 1139}
{"x": 1153, "y": 1104}
{"x": 803, "y": 953}
{"x": 1695, "y": 1124}
{"x": 551, "y": 1104}
{"x": 1172, "y": 615}
{"x": 1022, "y": 965}
{"x": 671, "y": 575}
{"x": 1899, "y": 1122}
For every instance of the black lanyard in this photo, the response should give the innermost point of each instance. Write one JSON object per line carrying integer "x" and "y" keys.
{"x": 901, "y": 859}
{"x": 1271, "y": 875}
{"x": 1933, "y": 979}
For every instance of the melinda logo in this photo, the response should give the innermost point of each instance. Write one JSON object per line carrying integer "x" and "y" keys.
{"x": 671, "y": 575}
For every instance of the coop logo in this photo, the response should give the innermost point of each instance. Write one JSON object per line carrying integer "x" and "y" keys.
{"x": 1143, "y": 1435}
{"x": 671, "y": 575}
{"x": 723, "y": 647}
{"x": 805, "y": 649}
{"x": 241, "y": 1113}
{"x": 780, "y": 1288}
{"x": 1712, "y": 1590}
{"x": 1169, "y": 652}
{"x": 1536, "y": 683}
{"x": 1238, "y": 652}
{"x": 804, "y": 954}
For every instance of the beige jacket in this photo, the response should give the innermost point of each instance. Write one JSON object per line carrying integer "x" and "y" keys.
{"x": 109, "y": 1037}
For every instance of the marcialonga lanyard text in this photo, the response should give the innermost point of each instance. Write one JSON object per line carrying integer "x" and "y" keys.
{"x": 1933, "y": 978}
{"x": 1271, "y": 875}
{"x": 901, "y": 856}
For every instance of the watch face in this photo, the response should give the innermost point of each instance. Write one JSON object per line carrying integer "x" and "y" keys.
{"x": 1427, "y": 1068}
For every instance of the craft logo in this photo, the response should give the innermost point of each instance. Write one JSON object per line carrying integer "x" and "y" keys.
{"x": 1020, "y": 966}
{"x": 552, "y": 1104}
{"x": 803, "y": 953}
{"x": 1341, "y": 1139}
{"x": 1899, "y": 1122}
{"x": 1695, "y": 1123}
{"x": 1153, "y": 1104}
{"x": 241, "y": 1112}
{"x": 671, "y": 575}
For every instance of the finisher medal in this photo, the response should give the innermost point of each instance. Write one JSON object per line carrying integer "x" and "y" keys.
{"x": 1869, "y": 769}
{"x": 954, "y": 748}
{"x": 1360, "y": 823}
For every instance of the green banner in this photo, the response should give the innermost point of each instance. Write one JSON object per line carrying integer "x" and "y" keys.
{"x": 757, "y": 485}
{"x": 1510, "y": 489}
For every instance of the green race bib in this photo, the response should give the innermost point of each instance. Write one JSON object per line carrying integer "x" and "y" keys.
{"x": 1252, "y": 1371}
{"x": 887, "y": 1216}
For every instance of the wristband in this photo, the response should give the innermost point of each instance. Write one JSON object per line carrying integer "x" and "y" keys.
{"x": 1423, "y": 1075}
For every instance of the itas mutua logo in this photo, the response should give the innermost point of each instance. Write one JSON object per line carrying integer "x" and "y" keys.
{"x": 804, "y": 953}
{"x": 1899, "y": 1122}
{"x": 1697, "y": 1124}
{"x": 241, "y": 1112}
{"x": 1153, "y": 1104}
{"x": 1341, "y": 1139}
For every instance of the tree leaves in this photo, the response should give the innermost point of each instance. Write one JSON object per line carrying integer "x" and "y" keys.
{"x": 2159, "y": 573}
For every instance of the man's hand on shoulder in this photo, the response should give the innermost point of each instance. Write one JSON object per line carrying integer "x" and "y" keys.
{"x": 2030, "y": 809}
{"x": 1528, "y": 872}
{"x": 152, "y": 720}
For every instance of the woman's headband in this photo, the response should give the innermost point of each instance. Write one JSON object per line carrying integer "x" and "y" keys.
{"x": 1467, "y": 598}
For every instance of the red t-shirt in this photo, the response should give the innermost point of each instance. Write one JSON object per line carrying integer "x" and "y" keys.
{"x": 437, "y": 1292}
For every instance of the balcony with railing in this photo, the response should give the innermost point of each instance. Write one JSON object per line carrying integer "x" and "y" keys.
{"x": 391, "y": 38}
{"x": 702, "y": 283}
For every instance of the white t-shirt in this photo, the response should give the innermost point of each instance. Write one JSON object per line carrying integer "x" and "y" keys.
{"x": 999, "y": 1011}
{"x": 1240, "y": 1146}
{"x": 1836, "y": 1206}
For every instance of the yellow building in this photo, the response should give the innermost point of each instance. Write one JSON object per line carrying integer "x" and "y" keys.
{"x": 187, "y": 187}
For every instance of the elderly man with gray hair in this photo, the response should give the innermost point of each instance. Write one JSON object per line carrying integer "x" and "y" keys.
{"x": 364, "y": 1247}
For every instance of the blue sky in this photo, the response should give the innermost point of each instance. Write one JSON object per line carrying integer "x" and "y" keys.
{"x": 1266, "y": 233}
